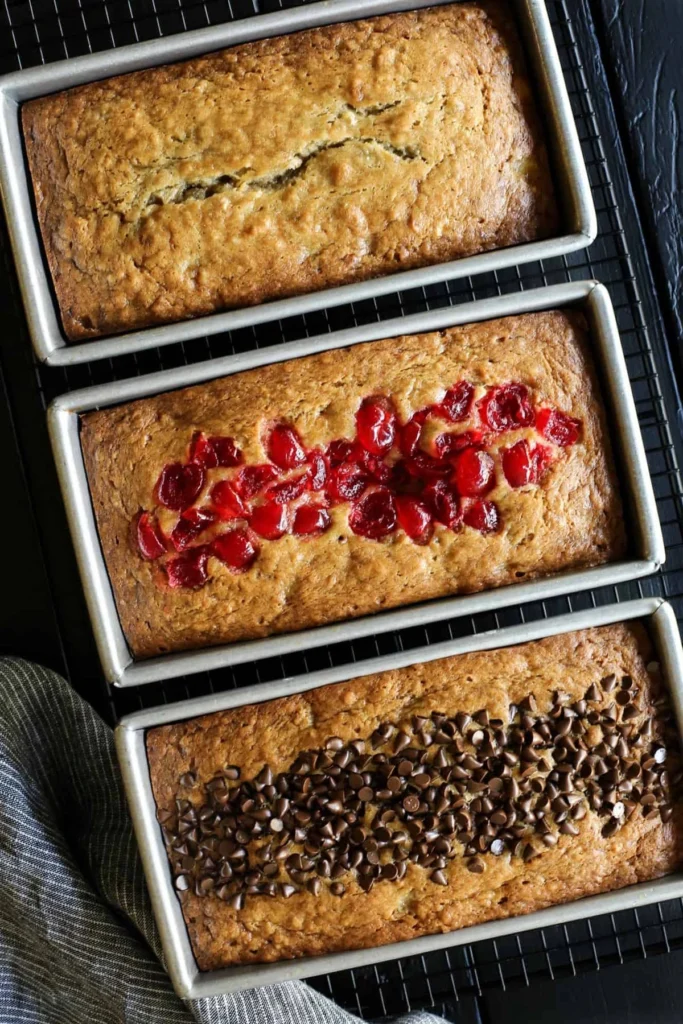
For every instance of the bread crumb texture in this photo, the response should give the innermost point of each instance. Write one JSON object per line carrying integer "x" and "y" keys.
{"x": 288, "y": 165}
{"x": 572, "y": 518}
{"x": 266, "y": 929}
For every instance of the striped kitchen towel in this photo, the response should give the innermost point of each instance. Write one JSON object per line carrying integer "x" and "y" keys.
{"x": 78, "y": 943}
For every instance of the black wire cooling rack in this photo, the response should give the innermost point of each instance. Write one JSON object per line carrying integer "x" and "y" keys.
{"x": 35, "y": 31}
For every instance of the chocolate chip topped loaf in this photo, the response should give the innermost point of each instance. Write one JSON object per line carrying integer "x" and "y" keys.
{"x": 325, "y": 488}
{"x": 421, "y": 800}
{"x": 288, "y": 165}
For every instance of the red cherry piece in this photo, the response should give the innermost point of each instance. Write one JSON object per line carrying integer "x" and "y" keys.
{"x": 235, "y": 549}
{"x": 474, "y": 473}
{"x": 188, "y": 570}
{"x": 191, "y": 523}
{"x": 523, "y": 464}
{"x": 317, "y": 471}
{"x": 311, "y": 519}
{"x": 253, "y": 479}
{"x": 151, "y": 541}
{"x": 506, "y": 407}
{"x": 424, "y": 466}
{"x": 378, "y": 470}
{"x": 227, "y": 452}
{"x": 286, "y": 491}
{"x": 457, "y": 402}
{"x": 374, "y": 516}
{"x": 414, "y": 518}
{"x": 557, "y": 427}
{"x": 343, "y": 450}
{"x": 227, "y": 501}
{"x": 284, "y": 447}
{"x": 376, "y": 425}
{"x": 210, "y": 452}
{"x": 347, "y": 482}
{"x": 448, "y": 444}
{"x": 202, "y": 451}
{"x": 400, "y": 478}
{"x": 542, "y": 457}
{"x": 483, "y": 516}
{"x": 269, "y": 521}
{"x": 179, "y": 485}
{"x": 444, "y": 503}
{"x": 412, "y": 431}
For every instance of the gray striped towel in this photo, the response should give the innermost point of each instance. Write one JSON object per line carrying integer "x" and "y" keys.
{"x": 78, "y": 943}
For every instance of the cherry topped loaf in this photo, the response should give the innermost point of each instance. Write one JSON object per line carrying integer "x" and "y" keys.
{"x": 288, "y": 165}
{"x": 325, "y": 488}
{"x": 421, "y": 800}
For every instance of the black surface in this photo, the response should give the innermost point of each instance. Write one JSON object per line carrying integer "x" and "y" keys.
{"x": 516, "y": 978}
{"x": 643, "y": 42}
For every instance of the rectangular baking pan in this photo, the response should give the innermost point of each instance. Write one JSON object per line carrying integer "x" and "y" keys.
{"x": 39, "y": 302}
{"x": 646, "y": 556}
{"x": 190, "y": 983}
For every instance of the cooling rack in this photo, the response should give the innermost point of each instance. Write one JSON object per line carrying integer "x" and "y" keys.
{"x": 35, "y": 31}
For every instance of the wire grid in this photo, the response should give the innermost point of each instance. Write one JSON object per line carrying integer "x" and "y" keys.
{"x": 35, "y": 31}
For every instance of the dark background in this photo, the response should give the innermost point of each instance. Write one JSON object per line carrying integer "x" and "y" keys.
{"x": 635, "y": 48}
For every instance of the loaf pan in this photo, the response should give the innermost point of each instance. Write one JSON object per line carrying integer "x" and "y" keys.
{"x": 190, "y": 983}
{"x": 41, "y": 310}
{"x": 647, "y": 547}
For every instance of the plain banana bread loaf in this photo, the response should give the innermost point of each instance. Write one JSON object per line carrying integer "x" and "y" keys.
{"x": 288, "y": 165}
{"x": 421, "y": 800}
{"x": 324, "y": 488}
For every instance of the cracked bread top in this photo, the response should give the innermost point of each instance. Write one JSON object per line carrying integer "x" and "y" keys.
{"x": 576, "y": 839}
{"x": 572, "y": 517}
{"x": 288, "y": 165}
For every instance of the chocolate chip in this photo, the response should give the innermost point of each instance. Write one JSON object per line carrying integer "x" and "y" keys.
{"x": 411, "y": 804}
{"x": 401, "y": 742}
{"x": 337, "y": 889}
{"x": 610, "y": 828}
{"x": 462, "y": 720}
{"x": 265, "y": 776}
{"x": 476, "y": 865}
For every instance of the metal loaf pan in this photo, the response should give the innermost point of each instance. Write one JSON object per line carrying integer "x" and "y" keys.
{"x": 647, "y": 546}
{"x": 41, "y": 310}
{"x": 190, "y": 983}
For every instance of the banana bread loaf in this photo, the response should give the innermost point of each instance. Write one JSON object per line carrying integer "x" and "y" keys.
{"x": 288, "y": 165}
{"x": 421, "y": 800}
{"x": 352, "y": 481}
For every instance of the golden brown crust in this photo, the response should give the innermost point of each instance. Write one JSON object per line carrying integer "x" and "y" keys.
{"x": 573, "y": 518}
{"x": 275, "y": 732}
{"x": 329, "y": 156}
